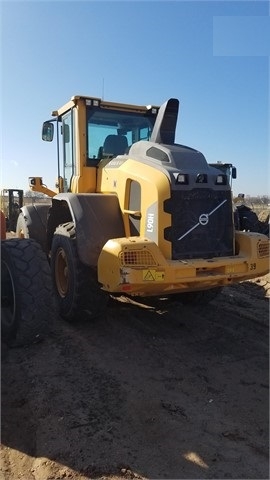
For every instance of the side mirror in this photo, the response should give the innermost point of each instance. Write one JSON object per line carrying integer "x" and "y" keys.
{"x": 234, "y": 172}
{"x": 47, "y": 131}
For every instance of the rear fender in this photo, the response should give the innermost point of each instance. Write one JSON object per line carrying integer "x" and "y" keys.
{"x": 97, "y": 219}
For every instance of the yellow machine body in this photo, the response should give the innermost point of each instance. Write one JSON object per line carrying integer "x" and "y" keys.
{"x": 177, "y": 231}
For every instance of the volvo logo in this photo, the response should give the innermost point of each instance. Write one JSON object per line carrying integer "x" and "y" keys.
{"x": 203, "y": 218}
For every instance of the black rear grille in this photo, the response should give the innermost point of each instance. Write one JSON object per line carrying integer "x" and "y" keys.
{"x": 202, "y": 225}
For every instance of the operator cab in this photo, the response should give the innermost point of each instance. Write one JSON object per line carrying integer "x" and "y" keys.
{"x": 112, "y": 132}
{"x": 89, "y": 130}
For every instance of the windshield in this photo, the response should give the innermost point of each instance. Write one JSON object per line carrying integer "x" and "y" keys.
{"x": 111, "y": 132}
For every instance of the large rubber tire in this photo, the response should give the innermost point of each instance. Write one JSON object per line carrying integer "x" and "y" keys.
{"x": 249, "y": 220}
{"x": 77, "y": 291}
{"x": 32, "y": 223}
{"x": 27, "y": 302}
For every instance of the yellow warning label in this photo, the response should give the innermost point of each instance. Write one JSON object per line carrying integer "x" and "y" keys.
{"x": 152, "y": 276}
{"x": 149, "y": 275}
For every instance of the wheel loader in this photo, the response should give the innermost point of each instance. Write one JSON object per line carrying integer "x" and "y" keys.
{"x": 11, "y": 202}
{"x": 134, "y": 213}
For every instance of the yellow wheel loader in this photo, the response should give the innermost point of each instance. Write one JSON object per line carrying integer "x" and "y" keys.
{"x": 134, "y": 212}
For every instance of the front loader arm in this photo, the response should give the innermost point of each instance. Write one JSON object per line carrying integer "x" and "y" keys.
{"x": 36, "y": 185}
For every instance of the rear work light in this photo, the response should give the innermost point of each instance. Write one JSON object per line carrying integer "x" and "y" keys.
{"x": 221, "y": 180}
{"x": 92, "y": 102}
{"x": 181, "y": 179}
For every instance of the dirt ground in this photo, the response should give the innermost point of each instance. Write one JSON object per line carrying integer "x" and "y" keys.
{"x": 145, "y": 392}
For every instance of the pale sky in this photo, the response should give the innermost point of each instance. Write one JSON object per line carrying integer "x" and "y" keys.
{"x": 211, "y": 55}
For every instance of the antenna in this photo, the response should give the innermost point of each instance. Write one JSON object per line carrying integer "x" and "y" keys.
{"x": 102, "y": 89}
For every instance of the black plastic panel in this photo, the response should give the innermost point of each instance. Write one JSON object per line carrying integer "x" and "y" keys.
{"x": 202, "y": 225}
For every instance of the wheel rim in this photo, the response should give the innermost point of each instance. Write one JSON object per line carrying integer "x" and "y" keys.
{"x": 61, "y": 272}
{"x": 8, "y": 305}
